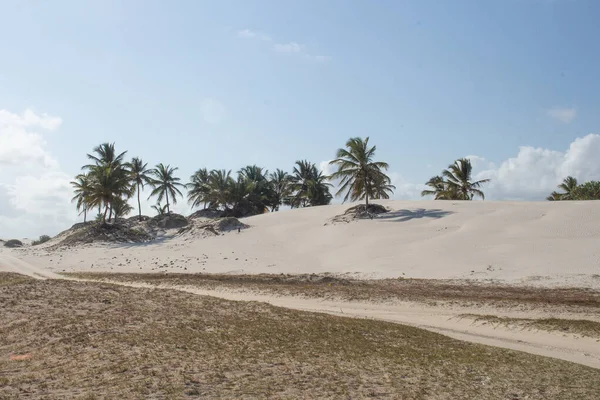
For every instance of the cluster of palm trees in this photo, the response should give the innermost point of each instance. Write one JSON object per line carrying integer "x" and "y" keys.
{"x": 572, "y": 190}
{"x": 109, "y": 182}
{"x": 254, "y": 190}
{"x": 455, "y": 183}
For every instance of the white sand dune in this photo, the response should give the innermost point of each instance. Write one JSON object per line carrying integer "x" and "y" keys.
{"x": 535, "y": 243}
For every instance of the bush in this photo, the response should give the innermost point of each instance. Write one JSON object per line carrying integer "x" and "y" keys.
{"x": 42, "y": 239}
{"x": 13, "y": 243}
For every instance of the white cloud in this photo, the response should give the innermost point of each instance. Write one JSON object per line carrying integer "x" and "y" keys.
{"x": 284, "y": 48}
{"x": 250, "y": 34}
{"x": 562, "y": 114}
{"x": 291, "y": 47}
{"x": 212, "y": 111}
{"x": 535, "y": 172}
{"x": 34, "y": 191}
{"x": 20, "y": 145}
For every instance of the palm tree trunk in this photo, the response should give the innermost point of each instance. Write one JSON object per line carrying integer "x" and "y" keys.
{"x": 139, "y": 204}
{"x": 168, "y": 209}
{"x": 367, "y": 199}
{"x": 104, "y": 216}
{"x": 84, "y": 215}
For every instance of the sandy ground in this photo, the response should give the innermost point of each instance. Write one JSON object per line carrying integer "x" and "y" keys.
{"x": 550, "y": 244}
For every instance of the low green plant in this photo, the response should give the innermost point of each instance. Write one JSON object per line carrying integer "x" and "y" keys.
{"x": 42, "y": 239}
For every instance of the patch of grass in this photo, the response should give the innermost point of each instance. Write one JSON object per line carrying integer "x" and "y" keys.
{"x": 97, "y": 340}
{"x": 9, "y": 278}
{"x": 576, "y": 326}
{"x": 329, "y": 287}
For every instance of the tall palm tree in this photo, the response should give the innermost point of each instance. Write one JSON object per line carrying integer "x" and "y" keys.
{"x": 198, "y": 188}
{"x": 108, "y": 186}
{"x": 220, "y": 184}
{"x": 106, "y": 155}
{"x": 280, "y": 182}
{"x": 459, "y": 180}
{"x": 164, "y": 182}
{"x": 568, "y": 186}
{"x": 82, "y": 189}
{"x": 139, "y": 176}
{"x": 361, "y": 176}
{"x": 309, "y": 186}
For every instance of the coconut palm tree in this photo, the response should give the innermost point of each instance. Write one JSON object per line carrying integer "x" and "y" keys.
{"x": 108, "y": 186}
{"x": 165, "y": 183}
{"x": 361, "y": 176}
{"x": 120, "y": 207}
{"x": 554, "y": 196}
{"x": 82, "y": 189}
{"x": 106, "y": 155}
{"x": 459, "y": 181}
{"x": 160, "y": 210}
{"x": 220, "y": 183}
{"x": 309, "y": 186}
{"x": 437, "y": 187}
{"x": 568, "y": 186}
{"x": 280, "y": 183}
{"x": 198, "y": 188}
{"x": 139, "y": 175}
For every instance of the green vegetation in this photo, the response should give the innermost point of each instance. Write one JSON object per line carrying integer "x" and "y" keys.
{"x": 108, "y": 183}
{"x": 108, "y": 341}
{"x": 572, "y": 190}
{"x": 165, "y": 183}
{"x": 361, "y": 177}
{"x": 42, "y": 239}
{"x": 455, "y": 183}
{"x": 582, "y": 327}
{"x": 139, "y": 175}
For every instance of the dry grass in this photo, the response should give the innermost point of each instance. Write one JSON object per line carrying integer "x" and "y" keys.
{"x": 96, "y": 340}
{"x": 328, "y": 287}
{"x": 575, "y": 326}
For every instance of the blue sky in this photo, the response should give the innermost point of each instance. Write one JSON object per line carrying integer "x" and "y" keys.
{"x": 223, "y": 84}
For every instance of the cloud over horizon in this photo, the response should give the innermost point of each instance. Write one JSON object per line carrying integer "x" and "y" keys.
{"x": 562, "y": 114}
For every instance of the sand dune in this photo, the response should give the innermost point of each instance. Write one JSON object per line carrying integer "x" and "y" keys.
{"x": 549, "y": 243}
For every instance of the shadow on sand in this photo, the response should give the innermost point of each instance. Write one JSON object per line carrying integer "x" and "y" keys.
{"x": 407, "y": 215}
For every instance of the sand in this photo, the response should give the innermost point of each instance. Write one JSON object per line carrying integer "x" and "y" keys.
{"x": 549, "y": 244}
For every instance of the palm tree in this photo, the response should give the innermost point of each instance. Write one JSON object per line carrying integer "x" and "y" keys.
{"x": 458, "y": 180}
{"x": 164, "y": 182}
{"x": 568, "y": 185}
{"x": 361, "y": 177}
{"x": 439, "y": 188}
{"x": 120, "y": 207}
{"x": 108, "y": 186}
{"x": 280, "y": 183}
{"x": 554, "y": 196}
{"x": 160, "y": 210}
{"x": 139, "y": 176}
{"x": 82, "y": 188}
{"x": 198, "y": 188}
{"x": 220, "y": 183}
{"x": 109, "y": 180}
{"x": 106, "y": 156}
{"x": 309, "y": 186}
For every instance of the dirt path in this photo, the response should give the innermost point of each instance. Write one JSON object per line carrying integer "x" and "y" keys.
{"x": 569, "y": 347}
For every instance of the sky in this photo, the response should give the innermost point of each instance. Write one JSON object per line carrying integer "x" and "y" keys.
{"x": 512, "y": 84}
